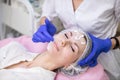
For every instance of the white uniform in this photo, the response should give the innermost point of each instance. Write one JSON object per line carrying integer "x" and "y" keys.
{"x": 99, "y": 17}
{"x": 15, "y": 53}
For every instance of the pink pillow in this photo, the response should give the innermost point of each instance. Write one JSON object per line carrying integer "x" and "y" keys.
{"x": 95, "y": 73}
{"x": 26, "y": 41}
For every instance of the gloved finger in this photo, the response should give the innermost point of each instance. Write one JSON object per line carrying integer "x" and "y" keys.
{"x": 50, "y": 27}
{"x": 33, "y": 39}
{"x": 91, "y": 55}
{"x": 49, "y": 37}
{"x": 82, "y": 62}
{"x": 48, "y": 23}
{"x": 42, "y": 36}
{"x": 93, "y": 63}
{"x": 88, "y": 59}
{"x": 36, "y": 38}
{"x": 91, "y": 36}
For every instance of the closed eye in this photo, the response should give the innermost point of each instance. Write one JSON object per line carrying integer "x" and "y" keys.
{"x": 66, "y": 36}
{"x": 72, "y": 49}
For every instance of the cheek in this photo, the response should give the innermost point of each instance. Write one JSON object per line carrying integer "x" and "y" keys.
{"x": 65, "y": 52}
{"x": 69, "y": 56}
{"x": 51, "y": 49}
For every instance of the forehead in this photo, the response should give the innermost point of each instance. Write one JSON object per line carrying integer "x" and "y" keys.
{"x": 76, "y": 36}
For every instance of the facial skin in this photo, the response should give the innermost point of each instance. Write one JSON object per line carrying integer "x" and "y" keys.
{"x": 66, "y": 49}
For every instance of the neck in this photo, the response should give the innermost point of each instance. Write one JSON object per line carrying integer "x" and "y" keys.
{"x": 45, "y": 61}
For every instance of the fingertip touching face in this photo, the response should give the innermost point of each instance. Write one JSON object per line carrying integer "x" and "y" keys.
{"x": 67, "y": 47}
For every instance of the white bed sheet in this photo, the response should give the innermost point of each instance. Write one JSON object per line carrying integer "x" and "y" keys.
{"x": 14, "y": 53}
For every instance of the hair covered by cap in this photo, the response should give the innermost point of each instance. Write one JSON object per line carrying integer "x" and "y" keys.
{"x": 74, "y": 68}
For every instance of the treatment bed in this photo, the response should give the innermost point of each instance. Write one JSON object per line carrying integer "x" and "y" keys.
{"x": 95, "y": 73}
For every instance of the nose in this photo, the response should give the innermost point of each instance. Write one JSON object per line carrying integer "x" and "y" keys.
{"x": 65, "y": 42}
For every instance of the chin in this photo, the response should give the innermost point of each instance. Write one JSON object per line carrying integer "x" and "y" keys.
{"x": 50, "y": 48}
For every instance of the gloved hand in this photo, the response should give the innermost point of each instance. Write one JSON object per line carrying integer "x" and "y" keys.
{"x": 98, "y": 46}
{"x": 45, "y": 32}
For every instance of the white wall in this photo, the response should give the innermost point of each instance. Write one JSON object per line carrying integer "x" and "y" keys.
{"x": 0, "y": 13}
{"x": 1, "y": 18}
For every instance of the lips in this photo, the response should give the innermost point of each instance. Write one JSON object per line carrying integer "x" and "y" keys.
{"x": 56, "y": 46}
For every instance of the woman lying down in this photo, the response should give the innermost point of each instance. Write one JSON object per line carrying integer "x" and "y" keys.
{"x": 68, "y": 47}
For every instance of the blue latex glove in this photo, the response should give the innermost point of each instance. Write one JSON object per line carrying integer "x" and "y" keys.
{"x": 98, "y": 46}
{"x": 45, "y": 32}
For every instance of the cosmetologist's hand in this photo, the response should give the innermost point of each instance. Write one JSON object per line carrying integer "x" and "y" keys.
{"x": 98, "y": 46}
{"x": 45, "y": 32}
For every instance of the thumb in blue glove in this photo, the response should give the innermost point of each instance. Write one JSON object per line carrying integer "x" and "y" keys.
{"x": 50, "y": 27}
{"x": 98, "y": 46}
{"x": 45, "y": 32}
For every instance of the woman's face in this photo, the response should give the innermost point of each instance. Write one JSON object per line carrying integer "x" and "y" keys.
{"x": 67, "y": 47}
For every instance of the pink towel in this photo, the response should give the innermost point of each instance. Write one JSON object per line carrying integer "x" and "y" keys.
{"x": 26, "y": 42}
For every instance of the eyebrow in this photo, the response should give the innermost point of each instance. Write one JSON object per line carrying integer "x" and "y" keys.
{"x": 71, "y": 34}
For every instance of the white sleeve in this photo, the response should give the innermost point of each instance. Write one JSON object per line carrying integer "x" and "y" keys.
{"x": 48, "y": 9}
{"x": 117, "y": 10}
